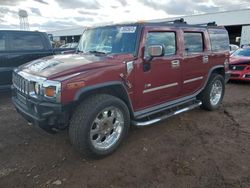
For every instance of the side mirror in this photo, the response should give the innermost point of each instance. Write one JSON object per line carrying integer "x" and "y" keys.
{"x": 155, "y": 50}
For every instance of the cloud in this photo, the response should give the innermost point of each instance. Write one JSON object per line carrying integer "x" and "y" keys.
{"x": 87, "y": 4}
{"x": 188, "y": 7}
{"x": 80, "y": 19}
{"x": 41, "y": 1}
{"x": 114, "y": 7}
{"x": 5, "y": 25}
{"x": 4, "y": 11}
{"x": 11, "y": 2}
{"x": 36, "y": 11}
{"x": 180, "y": 7}
{"x": 60, "y": 14}
{"x": 86, "y": 12}
{"x": 54, "y": 25}
{"x": 123, "y": 2}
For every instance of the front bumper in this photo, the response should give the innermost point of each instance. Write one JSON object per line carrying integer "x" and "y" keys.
{"x": 46, "y": 115}
{"x": 240, "y": 75}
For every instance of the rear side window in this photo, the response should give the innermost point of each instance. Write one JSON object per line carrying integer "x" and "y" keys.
{"x": 25, "y": 42}
{"x": 193, "y": 42}
{"x": 2, "y": 42}
{"x": 219, "y": 39}
{"x": 167, "y": 39}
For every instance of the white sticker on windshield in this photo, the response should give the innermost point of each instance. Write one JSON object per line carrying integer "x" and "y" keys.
{"x": 128, "y": 29}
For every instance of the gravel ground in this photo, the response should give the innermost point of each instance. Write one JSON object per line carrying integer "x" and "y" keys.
{"x": 197, "y": 149}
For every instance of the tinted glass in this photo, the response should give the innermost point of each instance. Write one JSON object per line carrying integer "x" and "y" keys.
{"x": 193, "y": 42}
{"x": 219, "y": 39}
{"x": 113, "y": 39}
{"x": 167, "y": 39}
{"x": 2, "y": 42}
{"x": 26, "y": 42}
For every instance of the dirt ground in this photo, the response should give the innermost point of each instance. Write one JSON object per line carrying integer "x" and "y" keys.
{"x": 197, "y": 149}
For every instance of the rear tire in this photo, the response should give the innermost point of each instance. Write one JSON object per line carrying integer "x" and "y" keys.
{"x": 99, "y": 125}
{"x": 213, "y": 93}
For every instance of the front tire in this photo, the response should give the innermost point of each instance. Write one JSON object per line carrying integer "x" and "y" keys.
{"x": 99, "y": 125}
{"x": 213, "y": 93}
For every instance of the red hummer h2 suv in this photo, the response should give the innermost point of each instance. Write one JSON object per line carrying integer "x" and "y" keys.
{"x": 121, "y": 75}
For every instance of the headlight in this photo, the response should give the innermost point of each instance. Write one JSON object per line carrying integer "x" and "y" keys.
{"x": 50, "y": 91}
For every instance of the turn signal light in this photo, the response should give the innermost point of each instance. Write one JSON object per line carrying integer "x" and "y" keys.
{"x": 75, "y": 85}
{"x": 50, "y": 91}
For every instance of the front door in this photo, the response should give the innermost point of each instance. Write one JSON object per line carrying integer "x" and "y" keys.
{"x": 159, "y": 81}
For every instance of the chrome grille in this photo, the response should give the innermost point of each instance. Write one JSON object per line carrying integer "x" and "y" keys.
{"x": 21, "y": 83}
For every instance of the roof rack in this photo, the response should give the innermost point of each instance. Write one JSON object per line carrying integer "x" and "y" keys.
{"x": 207, "y": 24}
{"x": 180, "y": 21}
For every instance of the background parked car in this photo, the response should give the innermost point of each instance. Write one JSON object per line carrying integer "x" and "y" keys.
{"x": 240, "y": 64}
{"x": 19, "y": 47}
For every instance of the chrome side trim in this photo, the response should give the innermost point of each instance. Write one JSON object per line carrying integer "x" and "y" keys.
{"x": 160, "y": 87}
{"x": 157, "y": 108}
{"x": 156, "y": 120}
{"x": 193, "y": 79}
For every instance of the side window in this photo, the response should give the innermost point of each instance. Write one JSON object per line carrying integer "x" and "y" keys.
{"x": 167, "y": 39}
{"x": 26, "y": 42}
{"x": 219, "y": 40}
{"x": 193, "y": 42}
{"x": 2, "y": 42}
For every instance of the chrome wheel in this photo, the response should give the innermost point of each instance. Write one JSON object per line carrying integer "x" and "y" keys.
{"x": 107, "y": 128}
{"x": 216, "y": 92}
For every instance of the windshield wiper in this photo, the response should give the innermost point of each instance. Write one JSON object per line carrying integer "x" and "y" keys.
{"x": 97, "y": 52}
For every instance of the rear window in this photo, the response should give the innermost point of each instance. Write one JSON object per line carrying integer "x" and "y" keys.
{"x": 193, "y": 42}
{"x": 2, "y": 42}
{"x": 20, "y": 41}
{"x": 219, "y": 40}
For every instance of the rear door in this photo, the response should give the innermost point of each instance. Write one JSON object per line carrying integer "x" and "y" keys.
{"x": 195, "y": 62}
{"x": 160, "y": 82}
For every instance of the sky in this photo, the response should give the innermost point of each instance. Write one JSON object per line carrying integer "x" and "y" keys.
{"x": 47, "y": 15}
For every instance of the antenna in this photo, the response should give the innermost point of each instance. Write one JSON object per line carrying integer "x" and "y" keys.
{"x": 23, "y": 18}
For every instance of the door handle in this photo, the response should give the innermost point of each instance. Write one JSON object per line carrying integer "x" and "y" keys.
{"x": 175, "y": 63}
{"x": 205, "y": 59}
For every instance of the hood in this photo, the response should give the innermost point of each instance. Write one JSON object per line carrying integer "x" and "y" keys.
{"x": 60, "y": 65}
{"x": 239, "y": 60}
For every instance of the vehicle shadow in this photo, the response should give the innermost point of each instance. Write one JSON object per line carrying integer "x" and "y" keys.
{"x": 5, "y": 96}
{"x": 243, "y": 83}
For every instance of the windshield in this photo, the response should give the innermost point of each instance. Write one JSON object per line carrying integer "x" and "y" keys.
{"x": 109, "y": 40}
{"x": 242, "y": 52}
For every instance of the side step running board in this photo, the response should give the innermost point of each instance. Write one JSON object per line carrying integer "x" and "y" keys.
{"x": 158, "y": 119}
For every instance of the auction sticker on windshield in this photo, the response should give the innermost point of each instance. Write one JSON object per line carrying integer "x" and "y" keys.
{"x": 128, "y": 29}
